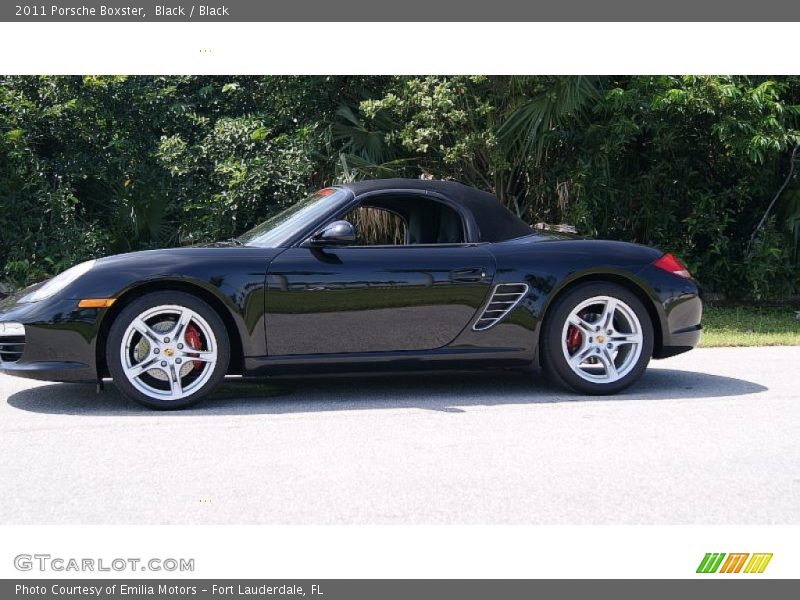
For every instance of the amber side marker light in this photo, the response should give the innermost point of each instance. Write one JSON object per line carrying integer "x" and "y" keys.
{"x": 96, "y": 303}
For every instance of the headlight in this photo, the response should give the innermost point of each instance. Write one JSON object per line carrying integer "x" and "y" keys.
{"x": 59, "y": 282}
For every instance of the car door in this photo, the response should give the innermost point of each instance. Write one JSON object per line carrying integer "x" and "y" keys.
{"x": 373, "y": 298}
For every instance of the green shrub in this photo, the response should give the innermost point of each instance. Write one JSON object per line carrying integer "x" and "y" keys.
{"x": 97, "y": 165}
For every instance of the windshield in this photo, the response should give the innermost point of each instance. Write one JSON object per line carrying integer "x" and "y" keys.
{"x": 279, "y": 229}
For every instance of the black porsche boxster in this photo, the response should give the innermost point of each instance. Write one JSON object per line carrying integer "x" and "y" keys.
{"x": 382, "y": 275}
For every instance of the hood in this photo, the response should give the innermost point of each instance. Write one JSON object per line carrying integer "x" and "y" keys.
{"x": 157, "y": 259}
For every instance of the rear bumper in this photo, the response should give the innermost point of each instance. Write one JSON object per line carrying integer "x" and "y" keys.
{"x": 682, "y": 326}
{"x": 680, "y": 342}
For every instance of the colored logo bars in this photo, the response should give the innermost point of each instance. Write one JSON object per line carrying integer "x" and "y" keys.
{"x": 713, "y": 563}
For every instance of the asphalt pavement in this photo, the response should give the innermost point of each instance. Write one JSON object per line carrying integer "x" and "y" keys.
{"x": 709, "y": 437}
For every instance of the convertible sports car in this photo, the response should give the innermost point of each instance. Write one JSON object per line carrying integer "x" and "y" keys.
{"x": 382, "y": 275}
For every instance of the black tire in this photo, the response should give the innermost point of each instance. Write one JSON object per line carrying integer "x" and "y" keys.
{"x": 152, "y": 301}
{"x": 553, "y": 359}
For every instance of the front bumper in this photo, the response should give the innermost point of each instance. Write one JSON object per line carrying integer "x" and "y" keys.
{"x": 51, "y": 371}
{"x": 59, "y": 341}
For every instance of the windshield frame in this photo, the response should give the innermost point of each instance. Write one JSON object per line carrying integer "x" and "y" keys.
{"x": 305, "y": 221}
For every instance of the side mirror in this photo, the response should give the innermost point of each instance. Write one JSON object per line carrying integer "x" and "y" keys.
{"x": 338, "y": 233}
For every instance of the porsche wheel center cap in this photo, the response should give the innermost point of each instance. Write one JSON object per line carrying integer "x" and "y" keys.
{"x": 600, "y": 339}
{"x": 168, "y": 352}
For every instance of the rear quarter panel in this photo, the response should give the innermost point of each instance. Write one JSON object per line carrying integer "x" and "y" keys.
{"x": 549, "y": 266}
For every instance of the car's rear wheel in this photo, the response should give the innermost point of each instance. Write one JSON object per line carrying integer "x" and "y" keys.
{"x": 167, "y": 350}
{"x": 597, "y": 339}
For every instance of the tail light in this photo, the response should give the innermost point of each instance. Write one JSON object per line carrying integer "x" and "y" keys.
{"x": 670, "y": 264}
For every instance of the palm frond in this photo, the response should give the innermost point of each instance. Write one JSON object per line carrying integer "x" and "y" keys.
{"x": 356, "y": 138}
{"x": 527, "y": 127}
{"x": 352, "y": 167}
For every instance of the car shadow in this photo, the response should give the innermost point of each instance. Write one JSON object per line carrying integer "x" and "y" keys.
{"x": 442, "y": 392}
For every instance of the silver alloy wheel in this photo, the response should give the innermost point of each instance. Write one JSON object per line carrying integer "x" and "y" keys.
{"x": 157, "y": 358}
{"x": 602, "y": 339}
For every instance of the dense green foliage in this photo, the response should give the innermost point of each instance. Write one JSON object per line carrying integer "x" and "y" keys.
{"x": 97, "y": 165}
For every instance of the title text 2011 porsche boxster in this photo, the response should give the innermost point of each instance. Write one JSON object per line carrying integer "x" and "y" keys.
{"x": 378, "y": 275}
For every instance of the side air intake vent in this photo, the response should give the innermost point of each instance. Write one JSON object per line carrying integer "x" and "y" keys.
{"x": 11, "y": 347}
{"x": 504, "y": 298}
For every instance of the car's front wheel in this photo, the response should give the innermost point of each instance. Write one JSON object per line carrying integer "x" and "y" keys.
{"x": 597, "y": 339}
{"x": 167, "y": 350}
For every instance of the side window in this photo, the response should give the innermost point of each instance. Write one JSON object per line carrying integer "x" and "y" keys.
{"x": 378, "y": 227}
{"x": 406, "y": 220}
{"x": 431, "y": 222}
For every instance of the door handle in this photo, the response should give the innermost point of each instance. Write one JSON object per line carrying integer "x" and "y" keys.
{"x": 470, "y": 275}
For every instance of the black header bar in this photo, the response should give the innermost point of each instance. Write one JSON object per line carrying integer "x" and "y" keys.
{"x": 407, "y": 10}
{"x": 396, "y": 589}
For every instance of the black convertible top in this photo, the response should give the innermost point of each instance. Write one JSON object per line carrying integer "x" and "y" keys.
{"x": 495, "y": 222}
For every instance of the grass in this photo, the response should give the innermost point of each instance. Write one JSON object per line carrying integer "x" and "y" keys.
{"x": 749, "y": 326}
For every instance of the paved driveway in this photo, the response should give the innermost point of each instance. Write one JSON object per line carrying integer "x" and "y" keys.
{"x": 712, "y": 436}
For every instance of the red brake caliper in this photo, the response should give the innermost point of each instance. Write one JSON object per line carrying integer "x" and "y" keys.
{"x": 574, "y": 337}
{"x": 192, "y": 336}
